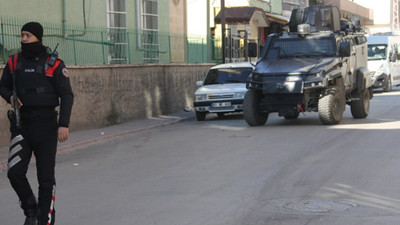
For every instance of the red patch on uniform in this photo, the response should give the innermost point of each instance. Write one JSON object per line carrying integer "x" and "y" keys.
{"x": 65, "y": 72}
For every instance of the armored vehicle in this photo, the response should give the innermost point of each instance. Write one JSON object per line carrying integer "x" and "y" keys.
{"x": 320, "y": 65}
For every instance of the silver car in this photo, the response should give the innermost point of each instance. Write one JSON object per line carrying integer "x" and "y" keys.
{"x": 222, "y": 90}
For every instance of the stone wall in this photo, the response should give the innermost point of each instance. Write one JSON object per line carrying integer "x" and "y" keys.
{"x": 107, "y": 95}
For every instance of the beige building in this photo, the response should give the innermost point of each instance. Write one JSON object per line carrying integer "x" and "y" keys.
{"x": 382, "y": 15}
{"x": 349, "y": 9}
{"x": 178, "y": 30}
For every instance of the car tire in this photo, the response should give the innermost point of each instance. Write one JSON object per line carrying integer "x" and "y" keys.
{"x": 388, "y": 86}
{"x": 360, "y": 108}
{"x": 251, "y": 112}
{"x": 200, "y": 116}
{"x": 330, "y": 106}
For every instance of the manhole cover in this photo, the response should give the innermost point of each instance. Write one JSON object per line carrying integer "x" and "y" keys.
{"x": 319, "y": 206}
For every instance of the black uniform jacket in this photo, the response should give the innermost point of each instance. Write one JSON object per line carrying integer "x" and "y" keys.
{"x": 32, "y": 74}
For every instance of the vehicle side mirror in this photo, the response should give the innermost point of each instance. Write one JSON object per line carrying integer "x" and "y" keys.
{"x": 252, "y": 49}
{"x": 344, "y": 50}
{"x": 392, "y": 57}
{"x": 199, "y": 83}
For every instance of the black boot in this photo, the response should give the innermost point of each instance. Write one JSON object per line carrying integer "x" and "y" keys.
{"x": 30, "y": 210}
{"x": 31, "y": 219}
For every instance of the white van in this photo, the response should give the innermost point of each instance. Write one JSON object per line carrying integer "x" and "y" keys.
{"x": 384, "y": 61}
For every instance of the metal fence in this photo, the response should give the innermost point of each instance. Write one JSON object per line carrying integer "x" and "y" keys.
{"x": 97, "y": 45}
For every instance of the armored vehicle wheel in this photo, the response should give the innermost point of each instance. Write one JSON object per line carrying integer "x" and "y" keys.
{"x": 220, "y": 114}
{"x": 388, "y": 86}
{"x": 330, "y": 106}
{"x": 200, "y": 116}
{"x": 360, "y": 108}
{"x": 252, "y": 115}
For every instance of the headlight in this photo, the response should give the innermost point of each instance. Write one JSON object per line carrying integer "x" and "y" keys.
{"x": 314, "y": 77}
{"x": 201, "y": 97}
{"x": 240, "y": 95}
{"x": 257, "y": 77}
{"x": 313, "y": 80}
{"x": 293, "y": 78}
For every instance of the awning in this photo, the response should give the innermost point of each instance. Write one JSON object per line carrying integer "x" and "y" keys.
{"x": 277, "y": 18}
{"x": 243, "y": 15}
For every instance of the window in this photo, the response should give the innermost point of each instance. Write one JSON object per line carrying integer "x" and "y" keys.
{"x": 116, "y": 20}
{"x": 326, "y": 17}
{"x": 148, "y": 38}
{"x": 150, "y": 15}
{"x": 228, "y": 75}
{"x": 377, "y": 52}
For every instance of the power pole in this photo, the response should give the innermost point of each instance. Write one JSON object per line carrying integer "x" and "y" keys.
{"x": 223, "y": 29}
{"x": 395, "y": 15}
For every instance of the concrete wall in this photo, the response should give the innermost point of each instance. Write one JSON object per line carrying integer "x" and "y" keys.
{"x": 107, "y": 95}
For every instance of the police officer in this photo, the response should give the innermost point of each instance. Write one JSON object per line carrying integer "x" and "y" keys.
{"x": 41, "y": 86}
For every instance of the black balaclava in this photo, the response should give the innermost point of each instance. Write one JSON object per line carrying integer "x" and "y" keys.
{"x": 31, "y": 50}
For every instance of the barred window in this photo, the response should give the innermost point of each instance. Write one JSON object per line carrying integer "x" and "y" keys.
{"x": 148, "y": 37}
{"x": 116, "y": 23}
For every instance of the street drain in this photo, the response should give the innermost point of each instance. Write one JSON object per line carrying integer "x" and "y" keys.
{"x": 319, "y": 206}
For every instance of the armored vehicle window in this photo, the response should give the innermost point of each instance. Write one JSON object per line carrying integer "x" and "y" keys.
{"x": 362, "y": 39}
{"x": 359, "y": 40}
{"x": 326, "y": 17}
{"x": 376, "y": 52}
{"x": 300, "y": 47}
{"x": 311, "y": 16}
{"x": 228, "y": 75}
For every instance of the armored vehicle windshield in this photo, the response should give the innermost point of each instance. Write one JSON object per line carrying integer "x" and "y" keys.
{"x": 305, "y": 47}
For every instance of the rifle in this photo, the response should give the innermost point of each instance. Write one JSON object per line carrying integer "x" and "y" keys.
{"x": 16, "y": 104}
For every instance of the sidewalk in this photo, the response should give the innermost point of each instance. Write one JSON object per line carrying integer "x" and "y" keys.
{"x": 85, "y": 138}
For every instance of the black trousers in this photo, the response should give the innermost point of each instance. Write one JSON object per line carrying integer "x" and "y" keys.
{"x": 38, "y": 135}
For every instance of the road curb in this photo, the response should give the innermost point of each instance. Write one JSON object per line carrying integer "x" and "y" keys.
{"x": 110, "y": 137}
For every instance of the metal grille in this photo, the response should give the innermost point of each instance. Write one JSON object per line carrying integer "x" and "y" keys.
{"x": 224, "y": 96}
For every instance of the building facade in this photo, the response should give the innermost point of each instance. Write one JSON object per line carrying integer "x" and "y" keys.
{"x": 246, "y": 21}
{"x": 153, "y": 31}
{"x": 110, "y": 31}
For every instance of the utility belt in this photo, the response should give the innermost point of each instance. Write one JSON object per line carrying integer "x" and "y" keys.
{"x": 39, "y": 90}
{"x": 44, "y": 100}
{"x": 37, "y": 113}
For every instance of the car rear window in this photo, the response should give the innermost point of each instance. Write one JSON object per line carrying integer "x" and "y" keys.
{"x": 229, "y": 75}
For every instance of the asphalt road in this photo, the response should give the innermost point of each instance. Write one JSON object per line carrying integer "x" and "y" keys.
{"x": 223, "y": 172}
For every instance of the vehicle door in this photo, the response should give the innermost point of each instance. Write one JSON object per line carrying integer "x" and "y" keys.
{"x": 394, "y": 62}
{"x": 349, "y": 64}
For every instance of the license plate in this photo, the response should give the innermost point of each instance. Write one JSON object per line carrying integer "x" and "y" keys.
{"x": 220, "y": 104}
